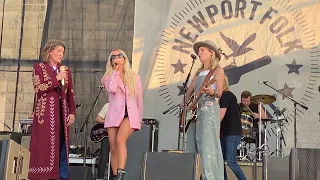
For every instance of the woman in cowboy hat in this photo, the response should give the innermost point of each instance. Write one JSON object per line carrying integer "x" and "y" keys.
{"x": 203, "y": 134}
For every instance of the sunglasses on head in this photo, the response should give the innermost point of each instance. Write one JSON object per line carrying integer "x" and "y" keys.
{"x": 116, "y": 56}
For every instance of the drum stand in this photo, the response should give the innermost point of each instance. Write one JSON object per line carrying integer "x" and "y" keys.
{"x": 262, "y": 148}
{"x": 279, "y": 140}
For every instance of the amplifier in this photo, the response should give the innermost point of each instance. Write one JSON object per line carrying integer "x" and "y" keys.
{"x": 14, "y": 160}
{"x": 252, "y": 170}
{"x": 171, "y": 166}
{"x": 80, "y": 173}
{"x": 304, "y": 164}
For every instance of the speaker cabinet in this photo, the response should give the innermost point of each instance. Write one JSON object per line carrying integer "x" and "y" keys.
{"x": 14, "y": 160}
{"x": 252, "y": 170}
{"x": 80, "y": 173}
{"x": 304, "y": 164}
{"x": 171, "y": 166}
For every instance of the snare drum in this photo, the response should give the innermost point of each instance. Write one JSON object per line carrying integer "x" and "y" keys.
{"x": 246, "y": 124}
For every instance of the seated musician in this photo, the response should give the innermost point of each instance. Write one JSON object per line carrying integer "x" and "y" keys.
{"x": 254, "y": 108}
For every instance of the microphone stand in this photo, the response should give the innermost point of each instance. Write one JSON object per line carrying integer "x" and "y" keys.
{"x": 185, "y": 88}
{"x": 85, "y": 128}
{"x": 295, "y": 103}
{"x": 184, "y": 108}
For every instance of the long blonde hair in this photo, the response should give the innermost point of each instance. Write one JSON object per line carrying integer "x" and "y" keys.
{"x": 214, "y": 62}
{"x": 226, "y": 82}
{"x": 129, "y": 75}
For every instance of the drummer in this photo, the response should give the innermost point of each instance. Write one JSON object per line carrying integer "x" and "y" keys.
{"x": 254, "y": 109}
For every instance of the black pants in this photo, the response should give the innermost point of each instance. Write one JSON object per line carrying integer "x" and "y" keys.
{"x": 104, "y": 158}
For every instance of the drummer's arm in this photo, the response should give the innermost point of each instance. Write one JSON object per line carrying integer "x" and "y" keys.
{"x": 263, "y": 113}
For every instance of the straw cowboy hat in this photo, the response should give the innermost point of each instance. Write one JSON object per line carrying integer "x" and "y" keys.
{"x": 208, "y": 44}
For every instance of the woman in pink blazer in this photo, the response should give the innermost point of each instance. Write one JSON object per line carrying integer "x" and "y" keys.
{"x": 124, "y": 91}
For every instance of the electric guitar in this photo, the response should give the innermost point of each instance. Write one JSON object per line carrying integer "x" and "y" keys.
{"x": 98, "y": 133}
{"x": 192, "y": 105}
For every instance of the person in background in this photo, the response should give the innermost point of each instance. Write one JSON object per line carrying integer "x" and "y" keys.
{"x": 231, "y": 130}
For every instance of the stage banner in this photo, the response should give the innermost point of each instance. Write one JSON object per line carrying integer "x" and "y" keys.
{"x": 274, "y": 41}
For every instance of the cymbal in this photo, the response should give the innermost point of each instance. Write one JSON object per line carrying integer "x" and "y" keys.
{"x": 263, "y": 98}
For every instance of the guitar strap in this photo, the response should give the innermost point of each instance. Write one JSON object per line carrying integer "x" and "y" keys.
{"x": 205, "y": 81}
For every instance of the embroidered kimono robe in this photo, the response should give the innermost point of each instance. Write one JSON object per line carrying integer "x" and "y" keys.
{"x": 45, "y": 135}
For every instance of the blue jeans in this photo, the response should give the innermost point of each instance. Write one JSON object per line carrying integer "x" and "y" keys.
{"x": 229, "y": 149}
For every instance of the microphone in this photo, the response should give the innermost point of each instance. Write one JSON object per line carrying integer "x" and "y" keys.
{"x": 114, "y": 64}
{"x": 194, "y": 57}
{"x": 78, "y": 105}
{"x": 62, "y": 68}
{"x": 100, "y": 87}
{"x": 262, "y": 82}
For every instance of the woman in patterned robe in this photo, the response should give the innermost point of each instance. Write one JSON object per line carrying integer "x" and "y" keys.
{"x": 54, "y": 113}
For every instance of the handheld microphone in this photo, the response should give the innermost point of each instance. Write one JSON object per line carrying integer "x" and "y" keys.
{"x": 62, "y": 68}
{"x": 194, "y": 57}
{"x": 262, "y": 82}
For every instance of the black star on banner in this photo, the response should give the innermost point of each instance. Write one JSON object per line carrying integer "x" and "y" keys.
{"x": 294, "y": 67}
{"x": 178, "y": 66}
{"x": 286, "y": 91}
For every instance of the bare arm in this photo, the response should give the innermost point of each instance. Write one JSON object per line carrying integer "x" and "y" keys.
{"x": 263, "y": 113}
{"x": 99, "y": 119}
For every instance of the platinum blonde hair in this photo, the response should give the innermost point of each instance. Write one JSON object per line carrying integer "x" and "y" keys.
{"x": 129, "y": 75}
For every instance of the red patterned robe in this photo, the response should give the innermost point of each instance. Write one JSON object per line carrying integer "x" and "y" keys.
{"x": 45, "y": 135}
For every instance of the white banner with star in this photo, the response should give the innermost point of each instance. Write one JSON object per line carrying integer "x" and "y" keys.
{"x": 274, "y": 41}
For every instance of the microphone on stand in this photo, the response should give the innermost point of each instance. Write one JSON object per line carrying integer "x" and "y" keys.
{"x": 100, "y": 87}
{"x": 62, "y": 68}
{"x": 194, "y": 57}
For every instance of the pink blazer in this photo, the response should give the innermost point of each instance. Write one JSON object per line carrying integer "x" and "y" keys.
{"x": 117, "y": 95}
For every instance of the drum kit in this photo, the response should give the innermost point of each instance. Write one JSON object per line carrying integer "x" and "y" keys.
{"x": 252, "y": 134}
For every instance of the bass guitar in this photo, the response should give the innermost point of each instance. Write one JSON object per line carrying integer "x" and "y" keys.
{"x": 192, "y": 105}
{"x": 98, "y": 133}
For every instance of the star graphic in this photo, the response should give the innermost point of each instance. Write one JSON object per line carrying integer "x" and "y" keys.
{"x": 294, "y": 67}
{"x": 180, "y": 90}
{"x": 286, "y": 91}
{"x": 178, "y": 66}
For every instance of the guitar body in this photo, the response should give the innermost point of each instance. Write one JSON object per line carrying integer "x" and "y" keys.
{"x": 98, "y": 133}
{"x": 192, "y": 106}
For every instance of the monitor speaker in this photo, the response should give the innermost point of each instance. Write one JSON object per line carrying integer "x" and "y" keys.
{"x": 171, "y": 166}
{"x": 304, "y": 164}
{"x": 80, "y": 173}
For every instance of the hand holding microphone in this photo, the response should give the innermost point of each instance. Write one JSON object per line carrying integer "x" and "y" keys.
{"x": 62, "y": 75}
